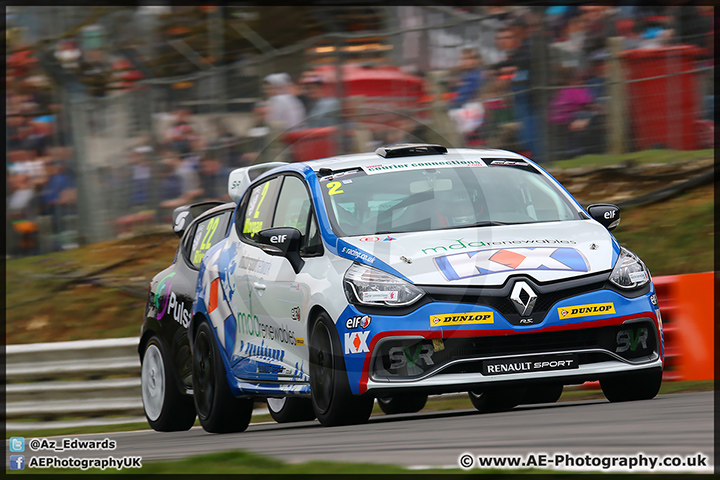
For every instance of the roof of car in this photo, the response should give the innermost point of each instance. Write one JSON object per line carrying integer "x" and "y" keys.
{"x": 342, "y": 162}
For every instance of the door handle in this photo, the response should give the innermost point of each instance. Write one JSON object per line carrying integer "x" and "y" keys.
{"x": 259, "y": 286}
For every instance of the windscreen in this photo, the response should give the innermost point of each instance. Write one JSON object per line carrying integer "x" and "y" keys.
{"x": 441, "y": 198}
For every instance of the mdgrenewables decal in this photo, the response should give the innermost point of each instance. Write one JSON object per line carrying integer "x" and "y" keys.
{"x": 586, "y": 310}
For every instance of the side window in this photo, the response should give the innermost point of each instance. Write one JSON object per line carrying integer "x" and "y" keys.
{"x": 207, "y": 233}
{"x": 294, "y": 209}
{"x": 259, "y": 210}
{"x": 293, "y": 206}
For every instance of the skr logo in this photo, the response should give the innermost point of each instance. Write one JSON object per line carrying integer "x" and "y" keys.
{"x": 401, "y": 356}
{"x": 627, "y": 341}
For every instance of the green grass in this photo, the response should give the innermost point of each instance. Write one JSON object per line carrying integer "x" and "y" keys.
{"x": 644, "y": 156}
{"x": 672, "y": 237}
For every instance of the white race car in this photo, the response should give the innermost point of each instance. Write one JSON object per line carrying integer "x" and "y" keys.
{"x": 410, "y": 271}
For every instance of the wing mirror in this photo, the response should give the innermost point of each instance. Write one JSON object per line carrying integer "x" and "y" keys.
{"x": 282, "y": 242}
{"x": 606, "y": 213}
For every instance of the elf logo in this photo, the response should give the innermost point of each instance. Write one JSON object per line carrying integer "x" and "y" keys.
{"x": 626, "y": 340}
{"x": 586, "y": 310}
{"x": 360, "y": 321}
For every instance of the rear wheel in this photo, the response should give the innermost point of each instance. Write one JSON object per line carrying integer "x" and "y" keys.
{"x": 497, "y": 399}
{"x": 548, "y": 393}
{"x": 635, "y": 386}
{"x": 289, "y": 409}
{"x": 332, "y": 400}
{"x": 407, "y": 403}
{"x": 166, "y": 408}
{"x": 218, "y": 410}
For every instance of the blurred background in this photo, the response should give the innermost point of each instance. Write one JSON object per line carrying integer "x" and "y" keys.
{"x": 115, "y": 115}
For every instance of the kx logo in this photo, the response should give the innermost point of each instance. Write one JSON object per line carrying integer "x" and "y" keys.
{"x": 486, "y": 262}
{"x": 356, "y": 342}
{"x": 401, "y": 356}
{"x": 627, "y": 341}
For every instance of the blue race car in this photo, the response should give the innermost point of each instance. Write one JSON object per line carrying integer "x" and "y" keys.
{"x": 410, "y": 271}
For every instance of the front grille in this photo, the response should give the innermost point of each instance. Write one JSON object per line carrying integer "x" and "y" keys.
{"x": 498, "y": 298}
{"x": 397, "y": 358}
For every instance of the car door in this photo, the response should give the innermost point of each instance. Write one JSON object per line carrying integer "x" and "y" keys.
{"x": 257, "y": 353}
{"x": 176, "y": 290}
{"x": 271, "y": 330}
{"x": 286, "y": 293}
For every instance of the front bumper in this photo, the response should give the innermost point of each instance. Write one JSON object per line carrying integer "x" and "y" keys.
{"x": 407, "y": 352}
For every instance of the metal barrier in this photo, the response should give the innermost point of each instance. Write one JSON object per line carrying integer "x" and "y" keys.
{"x": 47, "y": 381}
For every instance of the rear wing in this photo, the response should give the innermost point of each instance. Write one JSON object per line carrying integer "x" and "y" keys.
{"x": 241, "y": 178}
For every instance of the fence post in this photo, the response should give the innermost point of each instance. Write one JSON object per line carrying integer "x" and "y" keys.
{"x": 617, "y": 114}
{"x": 75, "y": 104}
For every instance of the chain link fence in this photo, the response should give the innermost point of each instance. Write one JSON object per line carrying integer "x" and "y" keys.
{"x": 529, "y": 79}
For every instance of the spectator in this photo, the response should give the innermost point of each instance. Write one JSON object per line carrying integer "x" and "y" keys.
{"x": 570, "y": 113}
{"x": 23, "y": 209}
{"x": 213, "y": 179}
{"x": 500, "y": 128}
{"x": 58, "y": 195}
{"x": 284, "y": 108}
{"x": 140, "y": 179}
{"x": 324, "y": 108}
{"x": 469, "y": 76}
{"x": 512, "y": 39}
{"x": 258, "y": 134}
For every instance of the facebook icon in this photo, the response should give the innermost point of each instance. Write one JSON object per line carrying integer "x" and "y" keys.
{"x": 17, "y": 462}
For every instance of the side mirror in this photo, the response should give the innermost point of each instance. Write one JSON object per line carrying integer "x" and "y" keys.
{"x": 283, "y": 242}
{"x": 605, "y": 213}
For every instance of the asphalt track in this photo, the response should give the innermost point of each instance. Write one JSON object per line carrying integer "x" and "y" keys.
{"x": 679, "y": 424}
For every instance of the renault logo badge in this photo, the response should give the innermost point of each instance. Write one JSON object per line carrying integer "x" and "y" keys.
{"x": 524, "y": 298}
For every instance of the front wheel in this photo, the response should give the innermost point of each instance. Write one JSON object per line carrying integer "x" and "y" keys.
{"x": 407, "y": 403}
{"x": 497, "y": 399}
{"x": 289, "y": 409}
{"x": 632, "y": 386}
{"x": 166, "y": 408}
{"x": 332, "y": 400}
{"x": 218, "y": 410}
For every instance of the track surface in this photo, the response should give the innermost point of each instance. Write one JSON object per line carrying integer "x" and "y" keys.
{"x": 679, "y": 424}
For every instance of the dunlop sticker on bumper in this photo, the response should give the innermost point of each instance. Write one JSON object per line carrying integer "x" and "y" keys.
{"x": 586, "y": 310}
{"x": 469, "y": 318}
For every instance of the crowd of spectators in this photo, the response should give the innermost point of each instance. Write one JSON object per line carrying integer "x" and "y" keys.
{"x": 493, "y": 101}
{"x": 575, "y": 71}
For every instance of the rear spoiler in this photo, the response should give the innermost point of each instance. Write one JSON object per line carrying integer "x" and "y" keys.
{"x": 183, "y": 216}
{"x": 241, "y": 178}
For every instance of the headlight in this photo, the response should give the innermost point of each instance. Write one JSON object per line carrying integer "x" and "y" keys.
{"x": 629, "y": 271}
{"x": 370, "y": 286}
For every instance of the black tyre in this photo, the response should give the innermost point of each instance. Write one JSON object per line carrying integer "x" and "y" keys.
{"x": 290, "y": 409}
{"x": 628, "y": 387}
{"x": 407, "y": 403}
{"x": 497, "y": 399}
{"x": 548, "y": 393}
{"x": 218, "y": 410}
{"x": 332, "y": 400}
{"x": 166, "y": 408}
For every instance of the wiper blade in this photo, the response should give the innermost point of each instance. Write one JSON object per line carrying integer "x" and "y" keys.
{"x": 487, "y": 223}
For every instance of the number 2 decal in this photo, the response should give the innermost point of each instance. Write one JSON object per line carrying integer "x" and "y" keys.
{"x": 334, "y": 188}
